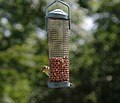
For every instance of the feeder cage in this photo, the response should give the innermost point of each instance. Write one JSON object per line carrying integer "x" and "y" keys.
{"x": 58, "y": 30}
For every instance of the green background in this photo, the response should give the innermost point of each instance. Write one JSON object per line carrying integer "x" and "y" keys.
{"x": 94, "y": 52}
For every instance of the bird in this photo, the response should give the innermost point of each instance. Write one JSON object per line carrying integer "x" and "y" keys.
{"x": 46, "y": 69}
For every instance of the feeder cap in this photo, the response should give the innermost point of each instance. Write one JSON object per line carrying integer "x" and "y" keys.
{"x": 57, "y": 13}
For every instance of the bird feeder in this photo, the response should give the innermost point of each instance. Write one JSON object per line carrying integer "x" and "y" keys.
{"x": 58, "y": 30}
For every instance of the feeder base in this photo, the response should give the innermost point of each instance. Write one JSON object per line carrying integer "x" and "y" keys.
{"x": 64, "y": 84}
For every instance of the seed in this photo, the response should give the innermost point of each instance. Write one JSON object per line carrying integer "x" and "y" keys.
{"x": 59, "y": 68}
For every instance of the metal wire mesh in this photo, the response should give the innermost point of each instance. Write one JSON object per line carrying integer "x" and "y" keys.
{"x": 58, "y": 38}
{"x": 58, "y": 41}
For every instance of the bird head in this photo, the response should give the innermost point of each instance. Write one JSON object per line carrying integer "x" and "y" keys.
{"x": 44, "y": 68}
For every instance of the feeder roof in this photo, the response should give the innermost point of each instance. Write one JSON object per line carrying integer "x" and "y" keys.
{"x": 57, "y": 13}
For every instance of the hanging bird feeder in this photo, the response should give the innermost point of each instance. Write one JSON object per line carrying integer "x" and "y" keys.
{"x": 58, "y": 30}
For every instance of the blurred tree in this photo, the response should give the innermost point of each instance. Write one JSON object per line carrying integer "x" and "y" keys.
{"x": 94, "y": 52}
{"x": 23, "y": 48}
{"x": 106, "y": 46}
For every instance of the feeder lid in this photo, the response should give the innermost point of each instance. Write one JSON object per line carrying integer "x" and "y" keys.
{"x": 57, "y": 13}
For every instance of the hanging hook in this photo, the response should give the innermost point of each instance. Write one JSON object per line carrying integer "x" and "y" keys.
{"x": 46, "y": 10}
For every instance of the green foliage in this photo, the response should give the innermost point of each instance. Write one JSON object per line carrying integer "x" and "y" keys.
{"x": 94, "y": 53}
{"x": 14, "y": 86}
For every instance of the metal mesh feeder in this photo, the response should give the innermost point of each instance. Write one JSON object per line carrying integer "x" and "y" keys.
{"x": 58, "y": 30}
